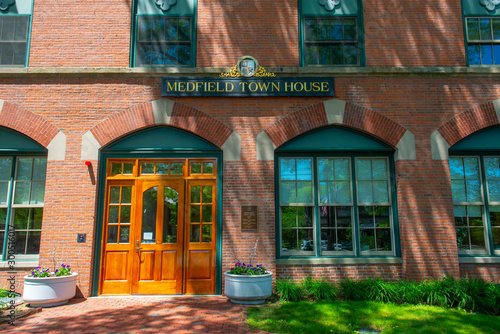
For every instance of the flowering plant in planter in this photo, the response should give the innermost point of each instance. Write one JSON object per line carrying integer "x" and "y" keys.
{"x": 39, "y": 272}
{"x": 46, "y": 289}
{"x": 243, "y": 269}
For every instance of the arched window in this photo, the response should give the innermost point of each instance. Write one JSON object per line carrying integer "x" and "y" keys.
{"x": 335, "y": 195}
{"x": 475, "y": 183}
{"x": 23, "y": 164}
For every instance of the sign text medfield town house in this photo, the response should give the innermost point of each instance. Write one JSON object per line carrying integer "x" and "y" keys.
{"x": 246, "y": 87}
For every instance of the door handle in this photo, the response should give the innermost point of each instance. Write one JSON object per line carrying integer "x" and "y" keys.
{"x": 137, "y": 248}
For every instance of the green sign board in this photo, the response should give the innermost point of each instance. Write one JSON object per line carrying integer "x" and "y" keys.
{"x": 247, "y": 87}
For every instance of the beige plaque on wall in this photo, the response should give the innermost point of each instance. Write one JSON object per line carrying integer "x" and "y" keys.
{"x": 249, "y": 216}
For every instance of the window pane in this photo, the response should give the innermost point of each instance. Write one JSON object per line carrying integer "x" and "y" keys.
{"x": 366, "y": 216}
{"x": 176, "y": 169}
{"x": 287, "y": 169}
{"x": 380, "y": 192}
{"x": 495, "y": 215}
{"x": 496, "y": 54}
{"x": 351, "y": 54}
{"x": 24, "y": 169}
{"x": 184, "y": 30}
{"x": 4, "y": 189}
{"x": 475, "y": 215}
{"x": 485, "y": 29}
{"x": 473, "y": 29}
{"x": 304, "y": 192}
{"x": 206, "y": 214}
{"x": 116, "y": 168}
{"x": 195, "y": 214}
{"x": 288, "y": 192}
{"x": 126, "y": 195}
{"x": 207, "y": 194}
{"x": 124, "y": 234}
{"x": 128, "y": 169}
{"x": 458, "y": 190}
{"x": 112, "y": 234}
{"x": 21, "y": 218}
{"x": 462, "y": 238}
{"x": 460, "y": 215}
{"x": 327, "y": 192}
{"x": 144, "y": 29}
{"x": 486, "y": 55}
{"x": 310, "y": 29}
{"x": 113, "y": 214}
{"x": 114, "y": 195}
{"x": 125, "y": 214}
{"x": 304, "y": 169}
{"x": 194, "y": 233}
{"x": 474, "y": 54}
{"x": 304, "y": 216}
{"x": 8, "y": 24}
{"x": 343, "y": 192}
{"x": 184, "y": 54}
{"x": 496, "y": 238}
{"x": 383, "y": 237}
{"x": 208, "y": 168}
{"x": 195, "y": 194}
{"x": 473, "y": 191}
{"x": 37, "y": 192}
{"x": 149, "y": 209}
{"x": 147, "y": 168}
{"x": 365, "y": 192}
{"x": 196, "y": 168}
{"x": 33, "y": 242}
{"x": 206, "y": 233}
{"x": 311, "y": 55}
{"x": 363, "y": 169}
{"x": 3, "y": 221}
{"x": 5, "y": 168}
{"x": 170, "y": 204}
{"x": 496, "y": 28}
{"x": 289, "y": 240}
{"x": 288, "y": 216}
{"x": 379, "y": 169}
{"x": 162, "y": 168}
{"x": 382, "y": 216}
{"x": 324, "y": 55}
{"x": 492, "y": 166}
{"x": 22, "y": 192}
{"x": 143, "y": 54}
{"x": 39, "y": 169}
{"x": 350, "y": 29}
{"x": 494, "y": 191}
{"x": 477, "y": 238}
{"x": 306, "y": 240}
{"x": 367, "y": 240}
{"x": 36, "y": 218}
{"x": 20, "y": 242}
{"x": 342, "y": 169}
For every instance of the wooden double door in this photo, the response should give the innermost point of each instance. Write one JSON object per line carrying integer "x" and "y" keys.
{"x": 160, "y": 230}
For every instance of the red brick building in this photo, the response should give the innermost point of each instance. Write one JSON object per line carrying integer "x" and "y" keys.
{"x": 391, "y": 171}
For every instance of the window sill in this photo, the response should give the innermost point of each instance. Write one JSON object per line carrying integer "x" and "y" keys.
{"x": 479, "y": 259}
{"x": 334, "y": 261}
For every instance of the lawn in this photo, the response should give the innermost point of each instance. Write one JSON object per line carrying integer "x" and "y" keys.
{"x": 352, "y": 316}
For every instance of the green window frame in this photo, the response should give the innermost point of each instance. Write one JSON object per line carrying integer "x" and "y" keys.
{"x": 335, "y": 205}
{"x": 164, "y": 38}
{"x": 475, "y": 184}
{"x": 331, "y": 37}
{"x": 22, "y": 192}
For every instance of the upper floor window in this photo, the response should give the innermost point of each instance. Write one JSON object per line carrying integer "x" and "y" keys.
{"x": 483, "y": 41}
{"x": 14, "y": 32}
{"x": 331, "y": 35}
{"x": 164, "y": 35}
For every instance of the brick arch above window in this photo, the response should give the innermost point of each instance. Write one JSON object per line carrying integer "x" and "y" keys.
{"x": 161, "y": 112}
{"x": 336, "y": 111}
{"x": 463, "y": 125}
{"x": 34, "y": 126}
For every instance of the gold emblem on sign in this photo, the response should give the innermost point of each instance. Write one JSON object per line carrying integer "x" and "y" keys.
{"x": 247, "y": 66}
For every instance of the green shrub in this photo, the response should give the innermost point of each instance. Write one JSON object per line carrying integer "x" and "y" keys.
{"x": 288, "y": 290}
{"x": 320, "y": 289}
{"x": 383, "y": 291}
{"x": 354, "y": 290}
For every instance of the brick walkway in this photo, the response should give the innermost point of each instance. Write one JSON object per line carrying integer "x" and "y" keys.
{"x": 206, "y": 314}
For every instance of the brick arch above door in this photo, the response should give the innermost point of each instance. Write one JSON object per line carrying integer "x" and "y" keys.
{"x": 161, "y": 112}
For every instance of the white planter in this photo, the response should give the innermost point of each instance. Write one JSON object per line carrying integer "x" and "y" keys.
{"x": 248, "y": 289}
{"x": 49, "y": 291}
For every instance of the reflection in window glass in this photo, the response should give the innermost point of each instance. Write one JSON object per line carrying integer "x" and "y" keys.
{"x": 163, "y": 40}
{"x": 482, "y": 36}
{"x": 13, "y": 40}
{"x": 330, "y": 41}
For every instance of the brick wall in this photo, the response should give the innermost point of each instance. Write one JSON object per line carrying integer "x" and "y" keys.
{"x": 397, "y": 33}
